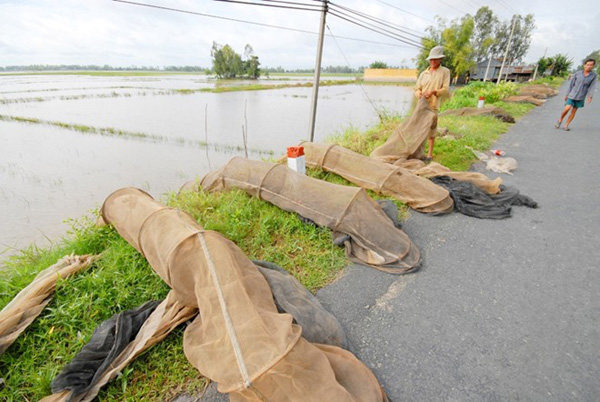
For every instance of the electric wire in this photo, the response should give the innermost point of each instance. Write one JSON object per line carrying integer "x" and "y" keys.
{"x": 377, "y": 30}
{"x": 376, "y": 20}
{"x": 505, "y": 5}
{"x": 453, "y": 7}
{"x": 348, "y": 63}
{"x": 315, "y": 8}
{"x": 212, "y": 16}
{"x": 404, "y": 11}
{"x": 251, "y": 22}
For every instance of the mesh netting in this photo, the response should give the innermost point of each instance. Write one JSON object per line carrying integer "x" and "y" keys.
{"x": 239, "y": 340}
{"x": 434, "y": 169}
{"x": 16, "y": 316}
{"x": 372, "y": 237}
{"x": 406, "y": 142}
{"x": 394, "y": 181}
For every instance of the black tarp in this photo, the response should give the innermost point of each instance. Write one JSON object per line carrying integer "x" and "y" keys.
{"x": 472, "y": 201}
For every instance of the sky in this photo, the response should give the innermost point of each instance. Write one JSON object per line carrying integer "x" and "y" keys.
{"x": 99, "y": 32}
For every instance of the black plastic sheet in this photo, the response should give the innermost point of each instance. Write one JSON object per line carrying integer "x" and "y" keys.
{"x": 472, "y": 201}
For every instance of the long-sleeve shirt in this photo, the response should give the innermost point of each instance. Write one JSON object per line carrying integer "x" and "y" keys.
{"x": 434, "y": 80}
{"x": 580, "y": 85}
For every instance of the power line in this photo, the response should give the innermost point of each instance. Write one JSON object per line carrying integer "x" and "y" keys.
{"x": 311, "y": 7}
{"x": 344, "y": 16}
{"x": 389, "y": 35}
{"x": 247, "y": 22}
{"x": 407, "y": 12}
{"x": 211, "y": 16}
{"x": 453, "y": 7}
{"x": 376, "y": 20}
{"x": 361, "y": 85}
{"x": 505, "y": 5}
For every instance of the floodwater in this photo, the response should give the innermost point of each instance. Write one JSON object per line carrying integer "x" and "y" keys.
{"x": 87, "y": 136}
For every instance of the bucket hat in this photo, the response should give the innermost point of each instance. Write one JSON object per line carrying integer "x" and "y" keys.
{"x": 436, "y": 53}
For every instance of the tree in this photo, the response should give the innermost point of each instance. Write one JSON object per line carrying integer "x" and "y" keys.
{"x": 251, "y": 64}
{"x": 594, "y": 55}
{"x": 456, "y": 39}
{"x": 521, "y": 37}
{"x": 378, "y": 64}
{"x": 560, "y": 65}
{"x": 543, "y": 64}
{"x": 226, "y": 62}
{"x": 485, "y": 25}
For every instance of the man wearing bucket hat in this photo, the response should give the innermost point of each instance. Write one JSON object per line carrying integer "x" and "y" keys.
{"x": 433, "y": 84}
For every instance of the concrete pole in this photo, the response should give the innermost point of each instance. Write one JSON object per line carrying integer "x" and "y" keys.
{"x": 315, "y": 94}
{"x": 487, "y": 68}
{"x": 506, "y": 52}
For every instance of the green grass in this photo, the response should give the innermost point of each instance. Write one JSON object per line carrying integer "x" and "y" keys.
{"x": 122, "y": 279}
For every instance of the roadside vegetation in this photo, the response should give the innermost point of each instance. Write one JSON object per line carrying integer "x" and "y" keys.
{"x": 122, "y": 279}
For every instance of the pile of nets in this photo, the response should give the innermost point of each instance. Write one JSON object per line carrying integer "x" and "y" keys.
{"x": 356, "y": 220}
{"x": 394, "y": 181}
{"x": 239, "y": 339}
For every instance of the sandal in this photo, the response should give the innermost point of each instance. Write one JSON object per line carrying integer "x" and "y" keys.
{"x": 427, "y": 160}
{"x": 557, "y": 125}
{"x": 567, "y": 129}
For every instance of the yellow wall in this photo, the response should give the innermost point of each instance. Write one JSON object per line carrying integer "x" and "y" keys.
{"x": 390, "y": 74}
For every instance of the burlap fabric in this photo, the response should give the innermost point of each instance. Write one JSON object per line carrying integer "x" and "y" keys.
{"x": 493, "y": 111}
{"x": 540, "y": 91}
{"x": 406, "y": 142}
{"x": 16, "y": 316}
{"x": 239, "y": 340}
{"x": 525, "y": 99}
{"x": 372, "y": 239}
{"x": 434, "y": 169}
{"x": 395, "y": 181}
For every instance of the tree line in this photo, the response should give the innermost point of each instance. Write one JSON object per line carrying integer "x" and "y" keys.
{"x": 93, "y": 67}
{"x": 474, "y": 39}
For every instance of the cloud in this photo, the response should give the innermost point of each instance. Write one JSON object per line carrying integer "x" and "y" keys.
{"x": 119, "y": 34}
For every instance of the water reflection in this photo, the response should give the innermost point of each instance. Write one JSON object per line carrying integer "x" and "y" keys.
{"x": 49, "y": 174}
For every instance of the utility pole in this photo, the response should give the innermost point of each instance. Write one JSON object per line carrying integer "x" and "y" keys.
{"x": 315, "y": 95}
{"x": 536, "y": 65}
{"x": 506, "y": 52}
{"x": 487, "y": 68}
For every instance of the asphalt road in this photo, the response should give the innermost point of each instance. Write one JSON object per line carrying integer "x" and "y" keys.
{"x": 501, "y": 310}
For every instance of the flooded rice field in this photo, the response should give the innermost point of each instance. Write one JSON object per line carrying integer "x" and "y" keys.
{"x": 68, "y": 141}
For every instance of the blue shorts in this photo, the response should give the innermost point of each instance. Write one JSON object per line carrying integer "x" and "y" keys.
{"x": 577, "y": 104}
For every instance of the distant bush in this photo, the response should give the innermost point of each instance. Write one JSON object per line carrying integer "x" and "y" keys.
{"x": 468, "y": 96}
